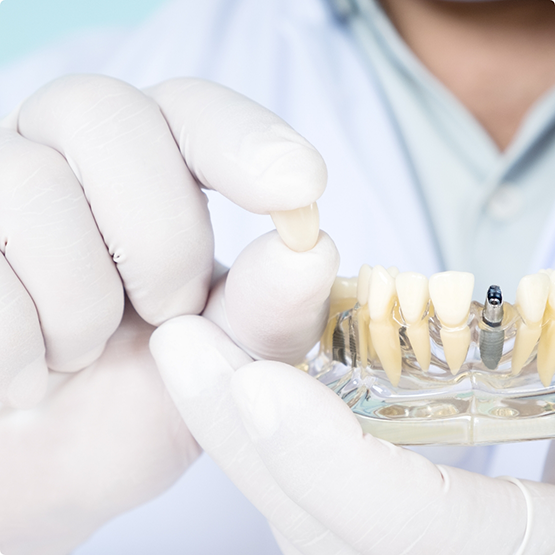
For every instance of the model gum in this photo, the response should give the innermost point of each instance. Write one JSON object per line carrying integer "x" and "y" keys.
{"x": 388, "y": 301}
{"x": 298, "y": 228}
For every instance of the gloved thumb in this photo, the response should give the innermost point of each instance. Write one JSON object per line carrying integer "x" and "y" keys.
{"x": 274, "y": 302}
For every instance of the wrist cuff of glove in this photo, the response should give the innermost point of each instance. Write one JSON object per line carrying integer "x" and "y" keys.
{"x": 529, "y": 512}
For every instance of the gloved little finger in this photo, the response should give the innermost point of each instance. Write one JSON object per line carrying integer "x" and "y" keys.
{"x": 196, "y": 361}
{"x": 380, "y": 499}
{"x": 23, "y": 370}
{"x": 276, "y": 300}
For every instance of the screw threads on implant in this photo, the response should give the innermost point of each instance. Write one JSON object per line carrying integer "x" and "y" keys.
{"x": 493, "y": 337}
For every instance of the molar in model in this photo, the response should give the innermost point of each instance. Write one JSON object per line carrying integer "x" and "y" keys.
{"x": 343, "y": 294}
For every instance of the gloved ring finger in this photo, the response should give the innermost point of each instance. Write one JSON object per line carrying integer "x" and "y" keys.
{"x": 53, "y": 246}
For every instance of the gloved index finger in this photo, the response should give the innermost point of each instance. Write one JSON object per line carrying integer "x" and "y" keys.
{"x": 247, "y": 153}
{"x": 151, "y": 213}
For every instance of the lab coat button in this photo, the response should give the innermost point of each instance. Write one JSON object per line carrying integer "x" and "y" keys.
{"x": 505, "y": 203}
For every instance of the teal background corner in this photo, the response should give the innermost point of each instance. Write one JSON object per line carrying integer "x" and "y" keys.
{"x": 27, "y": 25}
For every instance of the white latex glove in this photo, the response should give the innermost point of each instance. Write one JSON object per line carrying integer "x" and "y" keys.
{"x": 298, "y": 453}
{"x": 97, "y": 190}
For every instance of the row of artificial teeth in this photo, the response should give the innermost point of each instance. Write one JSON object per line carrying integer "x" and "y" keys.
{"x": 377, "y": 290}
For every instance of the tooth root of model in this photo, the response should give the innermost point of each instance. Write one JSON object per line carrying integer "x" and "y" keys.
{"x": 531, "y": 299}
{"x": 419, "y": 337}
{"x": 363, "y": 321}
{"x": 451, "y": 294}
{"x": 413, "y": 294}
{"x": 546, "y": 352}
{"x": 384, "y": 331}
{"x": 525, "y": 341}
{"x": 455, "y": 346}
{"x": 385, "y": 337}
{"x": 546, "y": 346}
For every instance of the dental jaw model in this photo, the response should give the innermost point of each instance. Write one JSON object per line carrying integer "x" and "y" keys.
{"x": 419, "y": 362}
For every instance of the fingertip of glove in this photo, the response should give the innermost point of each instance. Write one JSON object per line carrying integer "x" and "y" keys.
{"x": 174, "y": 334}
{"x": 193, "y": 355}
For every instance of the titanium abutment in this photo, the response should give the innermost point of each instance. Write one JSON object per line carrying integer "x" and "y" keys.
{"x": 492, "y": 336}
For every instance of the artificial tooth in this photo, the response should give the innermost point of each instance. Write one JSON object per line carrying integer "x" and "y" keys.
{"x": 531, "y": 297}
{"x": 344, "y": 288}
{"x": 384, "y": 331}
{"x": 546, "y": 346}
{"x": 343, "y": 294}
{"x": 413, "y": 294}
{"x": 363, "y": 284}
{"x": 451, "y": 294}
{"x": 382, "y": 294}
{"x": 299, "y": 228}
{"x": 531, "y": 300}
{"x": 393, "y": 271}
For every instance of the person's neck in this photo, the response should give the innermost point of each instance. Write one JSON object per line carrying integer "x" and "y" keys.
{"x": 498, "y": 58}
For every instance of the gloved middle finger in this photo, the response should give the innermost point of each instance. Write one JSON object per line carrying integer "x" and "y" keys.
{"x": 152, "y": 215}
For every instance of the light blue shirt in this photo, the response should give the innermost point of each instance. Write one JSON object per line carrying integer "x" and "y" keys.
{"x": 488, "y": 208}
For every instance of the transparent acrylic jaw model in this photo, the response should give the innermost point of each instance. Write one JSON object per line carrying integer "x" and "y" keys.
{"x": 485, "y": 380}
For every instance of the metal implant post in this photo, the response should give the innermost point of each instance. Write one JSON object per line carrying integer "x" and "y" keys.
{"x": 491, "y": 339}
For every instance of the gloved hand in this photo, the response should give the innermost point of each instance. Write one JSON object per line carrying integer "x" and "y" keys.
{"x": 100, "y": 191}
{"x": 298, "y": 453}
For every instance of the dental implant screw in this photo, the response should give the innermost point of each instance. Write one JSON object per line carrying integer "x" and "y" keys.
{"x": 493, "y": 337}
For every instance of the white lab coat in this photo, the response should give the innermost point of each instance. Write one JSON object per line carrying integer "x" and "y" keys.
{"x": 293, "y": 57}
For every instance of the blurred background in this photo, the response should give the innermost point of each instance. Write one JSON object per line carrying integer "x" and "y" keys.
{"x": 28, "y": 24}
